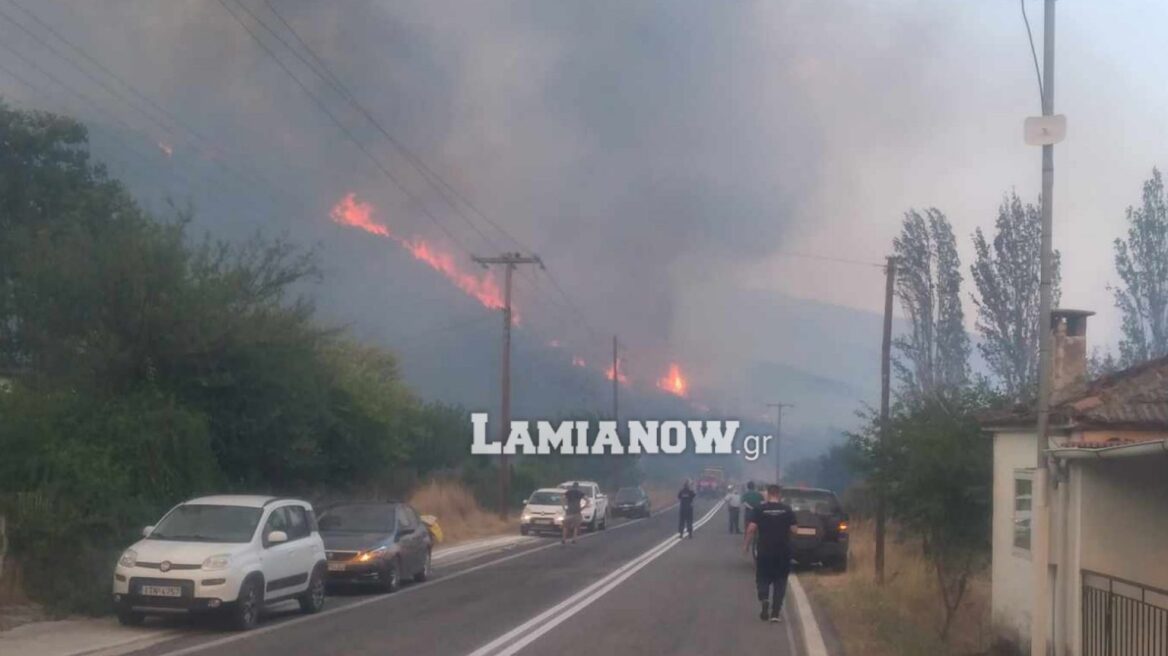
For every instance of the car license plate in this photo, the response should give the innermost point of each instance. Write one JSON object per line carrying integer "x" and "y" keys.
{"x": 160, "y": 591}
{"x": 336, "y": 567}
{"x": 542, "y": 521}
{"x": 804, "y": 531}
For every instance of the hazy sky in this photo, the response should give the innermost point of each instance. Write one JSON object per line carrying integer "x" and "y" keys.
{"x": 660, "y": 156}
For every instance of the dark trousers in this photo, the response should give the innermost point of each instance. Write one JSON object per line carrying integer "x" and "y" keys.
{"x": 771, "y": 572}
{"x": 734, "y": 520}
{"x": 685, "y": 521}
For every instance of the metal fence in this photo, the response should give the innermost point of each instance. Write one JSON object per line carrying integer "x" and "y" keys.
{"x": 1123, "y": 618}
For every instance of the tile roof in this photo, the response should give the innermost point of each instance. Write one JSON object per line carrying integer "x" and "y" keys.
{"x": 1136, "y": 397}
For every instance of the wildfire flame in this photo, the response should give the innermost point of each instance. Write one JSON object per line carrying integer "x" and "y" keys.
{"x": 674, "y": 382}
{"x": 358, "y": 214}
{"x": 578, "y": 361}
{"x": 621, "y": 377}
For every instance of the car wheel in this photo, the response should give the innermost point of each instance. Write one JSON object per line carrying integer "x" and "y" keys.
{"x": 840, "y": 564}
{"x": 246, "y": 613}
{"x": 592, "y": 524}
{"x": 127, "y": 617}
{"x": 312, "y": 601}
{"x": 424, "y": 573}
{"x": 604, "y": 522}
{"x": 391, "y": 577}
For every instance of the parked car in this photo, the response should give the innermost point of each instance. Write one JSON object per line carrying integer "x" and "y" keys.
{"x": 631, "y": 502}
{"x": 231, "y": 554}
{"x": 543, "y": 512}
{"x": 821, "y": 531}
{"x": 595, "y": 514}
{"x": 376, "y": 543}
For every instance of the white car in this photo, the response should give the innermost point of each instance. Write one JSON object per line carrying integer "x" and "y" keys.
{"x": 223, "y": 553}
{"x": 543, "y": 511}
{"x": 595, "y": 513}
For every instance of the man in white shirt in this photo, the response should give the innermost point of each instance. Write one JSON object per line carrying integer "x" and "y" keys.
{"x": 734, "y": 503}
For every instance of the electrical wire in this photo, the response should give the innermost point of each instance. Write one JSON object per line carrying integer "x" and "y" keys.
{"x": 1033, "y": 52}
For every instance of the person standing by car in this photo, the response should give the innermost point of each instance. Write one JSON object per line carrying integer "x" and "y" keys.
{"x": 734, "y": 503}
{"x": 574, "y": 501}
{"x": 685, "y": 516}
{"x": 774, "y": 522}
{"x": 751, "y": 499}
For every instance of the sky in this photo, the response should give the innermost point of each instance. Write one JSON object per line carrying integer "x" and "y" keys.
{"x": 660, "y": 156}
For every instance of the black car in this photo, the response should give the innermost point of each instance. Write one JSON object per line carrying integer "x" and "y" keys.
{"x": 375, "y": 543}
{"x": 630, "y": 502}
{"x": 821, "y": 531}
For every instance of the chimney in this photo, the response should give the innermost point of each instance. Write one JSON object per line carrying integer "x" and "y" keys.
{"x": 1069, "y": 364}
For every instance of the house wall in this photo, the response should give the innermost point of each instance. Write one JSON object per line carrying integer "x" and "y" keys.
{"x": 1010, "y": 569}
{"x": 1124, "y": 518}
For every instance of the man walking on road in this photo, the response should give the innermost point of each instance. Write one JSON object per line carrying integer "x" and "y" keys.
{"x": 734, "y": 503}
{"x": 685, "y": 518}
{"x": 573, "y": 512}
{"x": 750, "y": 500}
{"x": 774, "y": 522}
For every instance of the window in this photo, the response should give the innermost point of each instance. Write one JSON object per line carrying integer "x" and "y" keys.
{"x": 1023, "y": 488}
{"x": 277, "y": 521}
{"x": 297, "y": 523}
{"x": 205, "y": 523}
{"x": 405, "y": 519}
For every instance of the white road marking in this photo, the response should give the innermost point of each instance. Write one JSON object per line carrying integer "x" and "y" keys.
{"x": 812, "y": 637}
{"x": 535, "y": 627}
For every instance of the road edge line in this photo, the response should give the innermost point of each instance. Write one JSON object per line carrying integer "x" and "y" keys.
{"x": 813, "y": 643}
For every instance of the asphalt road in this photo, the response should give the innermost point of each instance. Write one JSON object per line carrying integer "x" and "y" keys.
{"x": 633, "y": 589}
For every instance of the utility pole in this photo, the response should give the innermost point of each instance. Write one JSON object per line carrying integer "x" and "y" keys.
{"x": 779, "y": 437}
{"x": 509, "y": 261}
{"x": 615, "y": 381}
{"x": 1041, "y": 615}
{"x": 885, "y": 396}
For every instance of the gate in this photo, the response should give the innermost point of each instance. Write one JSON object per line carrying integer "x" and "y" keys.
{"x": 1123, "y": 618}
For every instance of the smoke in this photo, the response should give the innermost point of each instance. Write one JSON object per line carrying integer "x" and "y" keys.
{"x": 643, "y": 149}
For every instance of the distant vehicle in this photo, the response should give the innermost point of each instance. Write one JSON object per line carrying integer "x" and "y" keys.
{"x": 821, "y": 532}
{"x": 231, "y": 554}
{"x": 543, "y": 512}
{"x": 596, "y": 512}
{"x": 631, "y": 502}
{"x": 712, "y": 482}
{"x": 376, "y": 543}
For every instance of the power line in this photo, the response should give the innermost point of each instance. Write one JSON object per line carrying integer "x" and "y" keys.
{"x": 341, "y": 126}
{"x": 1033, "y": 52}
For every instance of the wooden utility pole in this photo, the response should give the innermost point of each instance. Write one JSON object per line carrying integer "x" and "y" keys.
{"x": 509, "y": 262}
{"x": 779, "y": 438}
{"x": 615, "y": 381}
{"x": 885, "y": 395}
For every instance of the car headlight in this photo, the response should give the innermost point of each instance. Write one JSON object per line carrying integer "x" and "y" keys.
{"x": 525, "y": 517}
{"x": 560, "y": 517}
{"x": 366, "y": 556}
{"x": 129, "y": 558}
{"x": 218, "y": 561}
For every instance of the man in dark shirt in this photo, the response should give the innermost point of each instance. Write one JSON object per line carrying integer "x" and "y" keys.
{"x": 774, "y": 522}
{"x": 685, "y": 518}
{"x": 574, "y": 501}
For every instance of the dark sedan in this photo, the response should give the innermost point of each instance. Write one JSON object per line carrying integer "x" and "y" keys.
{"x": 630, "y": 502}
{"x": 821, "y": 531}
{"x": 375, "y": 543}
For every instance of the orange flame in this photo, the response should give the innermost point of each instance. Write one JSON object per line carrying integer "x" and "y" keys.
{"x": 578, "y": 361}
{"x": 621, "y": 377}
{"x": 674, "y": 382}
{"x": 357, "y": 214}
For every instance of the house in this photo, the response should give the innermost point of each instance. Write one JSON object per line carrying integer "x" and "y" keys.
{"x": 1105, "y": 522}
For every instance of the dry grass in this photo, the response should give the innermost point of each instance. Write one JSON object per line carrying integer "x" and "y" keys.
{"x": 459, "y": 515}
{"x": 904, "y": 617}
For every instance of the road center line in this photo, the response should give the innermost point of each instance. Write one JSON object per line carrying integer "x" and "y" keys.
{"x": 554, "y": 616}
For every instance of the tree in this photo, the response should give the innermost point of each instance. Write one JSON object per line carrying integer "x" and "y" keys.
{"x": 934, "y": 357}
{"x": 1006, "y": 275}
{"x": 1142, "y": 264}
{"x": 936, "y": 467}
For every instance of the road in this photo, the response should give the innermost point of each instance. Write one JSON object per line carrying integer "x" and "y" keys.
{"x": 633, "y": 589}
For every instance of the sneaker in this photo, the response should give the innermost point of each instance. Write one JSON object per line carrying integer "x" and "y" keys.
{"x": 777, "y": 615}
{"x": 766, "y": 611}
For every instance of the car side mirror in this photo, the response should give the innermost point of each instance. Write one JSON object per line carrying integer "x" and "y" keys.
{"x": 405, "y": 531}
{"x": 147, "y": 530}
{"x": 277, "y": 537}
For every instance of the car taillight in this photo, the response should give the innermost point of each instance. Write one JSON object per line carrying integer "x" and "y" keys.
{"x": 843, "y": 527}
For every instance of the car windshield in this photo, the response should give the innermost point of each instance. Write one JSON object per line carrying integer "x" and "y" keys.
{"x": 208, "y": 523}
{"x": 628, "y": 494}
{"x": 358, "y": 518}
{"x": 822, "y": 503}
{"x": 546, "y": 499}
